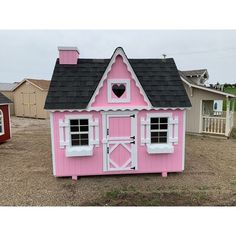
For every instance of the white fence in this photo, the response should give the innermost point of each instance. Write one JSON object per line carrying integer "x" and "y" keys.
{"x": 218, "y": 125}
{"x": 213, "y": 125}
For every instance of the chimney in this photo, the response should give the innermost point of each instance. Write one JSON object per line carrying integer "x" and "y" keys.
{"x": 68, "y": 55}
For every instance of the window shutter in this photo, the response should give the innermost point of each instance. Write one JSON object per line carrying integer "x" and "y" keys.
{"x": 173, "y": 134}
{"x": 145, "y": 130}
{"x": 63, "y": 125}
{"x": 94, "y": 133}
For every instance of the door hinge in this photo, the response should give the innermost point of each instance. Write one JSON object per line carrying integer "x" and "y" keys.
{"x": 133, "y": 116}
{"x": 107, "y": 150}
{"x": 133, "y": 142}
{"x": 132, "y": 168}
{"x": 107, "y": 131}
{"x": 133, "y": 137}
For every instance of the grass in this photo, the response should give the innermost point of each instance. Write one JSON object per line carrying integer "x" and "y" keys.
{"x": 170, "y": 197}
{"x": 230, "y": 90}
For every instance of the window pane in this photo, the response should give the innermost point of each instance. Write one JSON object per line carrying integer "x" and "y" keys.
{"x": 163, "y": 120}
{"x": 0, "y": 128}
{"x": 154, "y": 134}
{"x": 74, "y": 122}
{"x": 154, "y": 140}
{"x": 75, "y": 136}
{"x": 154, "y": 120}
{"x": 84, "y": 142}
{"x": 84, "y": 122}
{"x": 163, "y": 134}
{"x": 156, "y": 126}
{"x": 83, "y": 128}
{"x": 83, "y": 136}
{"x": 163, "y": 126}
{"x": 75, "y": 142}
{"x": 74, "y": 128}
{"x": 163, "y": 140}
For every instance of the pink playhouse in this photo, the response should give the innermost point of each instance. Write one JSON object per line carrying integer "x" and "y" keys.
{"x": 116, "y": 116}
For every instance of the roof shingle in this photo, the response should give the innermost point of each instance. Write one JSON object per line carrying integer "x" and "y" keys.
{"x": 72, "y": 86}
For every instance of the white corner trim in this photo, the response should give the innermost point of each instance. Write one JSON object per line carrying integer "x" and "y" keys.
{"x": 52, "y": 144}
{"x": 118, "y": 51}
{"x": 2, "y": 116}
{"x": 184, "y": 134}
{"x": 9, "y": 115}
{"x": 127, "y": 89}
{"x": 68, "y": 49}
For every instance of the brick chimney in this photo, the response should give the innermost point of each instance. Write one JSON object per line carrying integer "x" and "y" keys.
{"x": 68, "y": 55}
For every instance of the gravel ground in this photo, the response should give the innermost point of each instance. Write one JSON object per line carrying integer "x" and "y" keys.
{"x": 26, "y": 175}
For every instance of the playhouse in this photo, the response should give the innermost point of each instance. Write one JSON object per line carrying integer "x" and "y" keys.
{"x": 116, "y": 116}
{"x": 5, "y": 124}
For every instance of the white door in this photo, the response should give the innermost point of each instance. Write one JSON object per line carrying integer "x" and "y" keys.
{"x": 120, "y": 142}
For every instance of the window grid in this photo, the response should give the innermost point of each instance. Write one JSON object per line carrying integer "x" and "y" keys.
{"x": 79, "y": 132}
{"x": 159, "y": 130}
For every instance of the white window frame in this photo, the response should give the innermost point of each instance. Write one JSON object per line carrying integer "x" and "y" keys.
{"x": 109, "y": 90}
{"x": 78, "y": 132}
{"x": 160, "y": 130}
{"x": 156, "y": 148}
{"x": 2, "y": 122}
{"x": 65, "y": 136}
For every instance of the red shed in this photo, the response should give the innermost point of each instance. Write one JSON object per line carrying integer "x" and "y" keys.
{"x": 5, "y": 126}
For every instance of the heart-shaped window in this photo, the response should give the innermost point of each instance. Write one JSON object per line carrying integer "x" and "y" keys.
{"x": 118, "y": 89}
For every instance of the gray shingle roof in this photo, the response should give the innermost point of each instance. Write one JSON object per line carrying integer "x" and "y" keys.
{"x": 7, "y": 86}
{"x": 194, "y": 72}
{"x": 72, "y": 86}
{"x": 4, "y": 99}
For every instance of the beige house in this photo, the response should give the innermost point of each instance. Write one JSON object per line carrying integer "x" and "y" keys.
{"x": 206, "y": 114}
{"x": 29, "y": 98}
{"x": 6, "y": 89}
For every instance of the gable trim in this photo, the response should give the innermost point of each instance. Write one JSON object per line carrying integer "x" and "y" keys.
{"x": 26, "y": 80}
{"x": 118, "y": 52}
{"x": 207, "y": 89}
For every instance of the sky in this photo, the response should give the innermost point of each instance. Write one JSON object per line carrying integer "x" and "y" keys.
{"x": 32, "y": 53}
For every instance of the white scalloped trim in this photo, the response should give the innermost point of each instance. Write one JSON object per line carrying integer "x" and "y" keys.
{"x": 118, "y": 51}
{"x": 122, "y": 109}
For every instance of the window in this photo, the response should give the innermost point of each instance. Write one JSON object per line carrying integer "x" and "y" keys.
{"x": 159, "y": 130}
{"x": 118, "y": 90}
{"x": 1, "y": 123}
{"x": 79, "y": 132}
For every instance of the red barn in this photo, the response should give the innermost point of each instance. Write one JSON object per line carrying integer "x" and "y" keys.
{"x": 5, "y": 127}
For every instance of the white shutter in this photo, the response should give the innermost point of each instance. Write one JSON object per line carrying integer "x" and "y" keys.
{"x": 173, "y": 129}
{"x": 145, "y": 131}
{"x": 94, "y": 132}
{"x": 63, "y": 125}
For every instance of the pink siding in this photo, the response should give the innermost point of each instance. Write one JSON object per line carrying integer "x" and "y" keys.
{"x": 119, "y": 71}
{"x": 93, "y": 165}
{"x": 68, "y": 56}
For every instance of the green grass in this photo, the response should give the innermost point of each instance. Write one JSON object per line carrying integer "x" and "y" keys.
{"x": 229, "y": 90}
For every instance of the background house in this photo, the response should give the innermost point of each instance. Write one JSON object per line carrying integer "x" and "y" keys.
{"x": 5, "y": 124}
{"x": 6, "y": 90}
{"x": 29, "y": 97}
{"x": 205, "y": 116}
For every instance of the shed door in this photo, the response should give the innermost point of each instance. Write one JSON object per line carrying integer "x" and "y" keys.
{"x": 121, "y": 142}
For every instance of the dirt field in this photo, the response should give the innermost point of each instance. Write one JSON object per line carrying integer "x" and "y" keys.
{"x": 26, "y": 175}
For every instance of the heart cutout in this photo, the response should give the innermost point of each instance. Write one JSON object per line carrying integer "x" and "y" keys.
{"x": 118, "y": 90}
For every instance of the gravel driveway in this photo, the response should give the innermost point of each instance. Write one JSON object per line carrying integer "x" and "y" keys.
{"x": 26, "y": 175}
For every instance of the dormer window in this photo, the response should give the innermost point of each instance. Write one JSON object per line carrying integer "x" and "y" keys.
{"x": 118, "y": 91}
